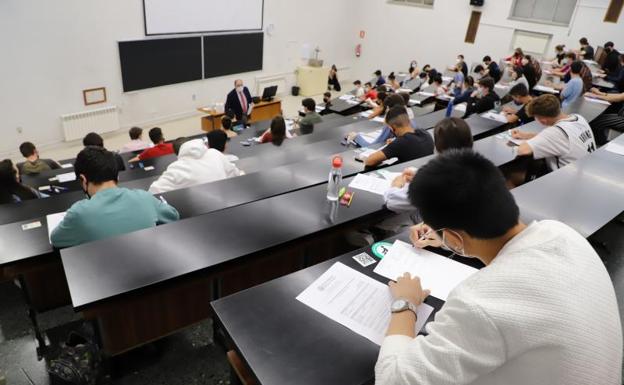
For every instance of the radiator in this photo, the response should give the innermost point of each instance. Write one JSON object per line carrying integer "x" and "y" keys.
{"x": 76, "y": 126}
{"x": 275, "y": 80}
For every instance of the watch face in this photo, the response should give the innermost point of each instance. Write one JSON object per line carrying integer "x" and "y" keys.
{"x": 399, "y": 305}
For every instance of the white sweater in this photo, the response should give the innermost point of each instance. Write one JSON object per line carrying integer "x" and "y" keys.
{"x": 196, "y": 164}
{"x": 542, "y": 313}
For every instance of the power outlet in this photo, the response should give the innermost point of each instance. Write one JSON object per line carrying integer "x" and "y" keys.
{"x": 20, "y": 130}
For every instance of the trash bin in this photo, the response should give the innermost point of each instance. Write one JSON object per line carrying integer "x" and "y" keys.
{"x": 295, "y": 91}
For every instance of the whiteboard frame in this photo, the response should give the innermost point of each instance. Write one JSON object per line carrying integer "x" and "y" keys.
{"x": 201, "y": 32}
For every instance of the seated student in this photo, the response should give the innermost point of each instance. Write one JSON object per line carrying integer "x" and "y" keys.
{"x": 515, "y": 60}
{"x": 479, "y": 71}
{"x": 110, "y": 210}
{"x": 377, "y": 105}
{"x": 217, "y": 139}
{"x": 573, "y": 88}
{"x": 11, "y": 189}
{"x": 136, "y": 141}
{"x": 276, "y": 133}
{"x": 612, "y": 62}
{"x": 532, "y": 71}
{"x": 521, "y": 97}
{"x": 409, "y": 144}
{"x": 309, "y": 109}
{"x": 438, "y": 88}
{"x": 458, "y": 78}
{"x": 617, "y": 78}
{"x": 93, "y": 139}
{"x": 587, "y": 51}
{"x": 392, "y": 82}
{"x": 565, "y": 139}
{"x": 448, "y": 134}
{"x": 160, "y": 147}
{"x": 483, "y": 99}
{"x": 517, "y": 77}
{"x": 327, "y": 102}
{"x": 406, "y": 100}
{"x": 386, "y": 133}
{"x": 517, "y": 320}
{"x": 226, "y": 127}
{"x": 379, "y": 79}
{"x": 432, "y": 75}
{"x": 492, "y": 69}
{"x": 569, "y": 58}
{"x": 461, "y": 64}
{"x": 332, "y": 79}
{"x": 34, "y": 164}
{"x": 463, "y": 95}
{"x": 358, "y": 91}
{"x": 196, "y": 164}
{"x": 370, "y": 93}
{"x": 607, "y": 121}
{"x": 559, "y": 56}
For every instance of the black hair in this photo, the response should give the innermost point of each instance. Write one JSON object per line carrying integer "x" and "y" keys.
{"x": 452, "y": 133}
{"x": 378, "y": 73}
{"x": 334, "y": 67}
{"x": 93, "y": 139}
{"x": 226, "y": 122}
{"x": 462, "y": 190}
{"x": 177, "y": 144}
{"x": 583, "y": 41}
{"x": 327, "y": 94}
{"x": 433, "y": 74}
{"x": 422, "y": 75}
{"x": 309, "y": 104}
{"x": 156, "y": 135}
{"x": 406, "y": 97}
{"x": 394, "y": 100}
{"x": 135, "y": 133}
{"x": 10, "y": 187}
{"x": 368, "y": 84}
{"x": 487, "y": 58}
{"x": 97, "y": 164}
{"x": 519, "y": 71}
{"x": 278, "y": 130}
{"x": 609, "y": 44}
{"x": 519, "y": 90}
{"x": 478, "y": 68}
{"x": 487, "y": 82}
{"x": 397, "y": 115}
{"x": 391, "y": 76}
{"x": 27, "y": 149}
{"x": 217, "y": 140}
{"x": 357, "y": 83}
{"x": 576, "y": 67}
{"x": 461, "y": 56}
{"x": 437, "y": 79}
{"x": 469, "y": 80}
{"x": 427, "y": 67}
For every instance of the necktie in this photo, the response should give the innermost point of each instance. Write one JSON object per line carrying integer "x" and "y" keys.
{"x": 243, "y": 102}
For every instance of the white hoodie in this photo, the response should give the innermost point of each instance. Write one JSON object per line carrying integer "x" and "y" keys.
{"x": 196, "y": 164}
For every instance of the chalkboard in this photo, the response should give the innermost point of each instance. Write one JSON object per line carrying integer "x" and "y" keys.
{"x": 159, "y": 62}
{"x": 232, "y": 54}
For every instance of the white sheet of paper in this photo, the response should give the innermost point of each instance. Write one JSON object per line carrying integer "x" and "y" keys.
{"x": 542, "y": 88}
{"x": 437, "y": 273}
{"x": 355, "y": 301}
{"x": 407, "y": 90}
{"x": 53, "y": 220}
{"x": 494, "y": 116}
{"x": 423, "y": 93}
{"x": 388, "y": 175}
{"x": 414, "y": 101}
{"x": 371, "y": 184}
{"x": 615, "y": 148}
{"x": 501, "y": 86}
{"x": 461, "y": 107}
{"x": 67, "y": 177}
{"x": 366, "y": 114}
{"x": 507, "y": 137}
{"x": 353, "y": 102}
{"x": 446, "y": 78}
{"x": 346, "y": 97}
{"x": 379, "y": 119}
{"x": 594, "y": 100}
{"x": 67, "y": 165}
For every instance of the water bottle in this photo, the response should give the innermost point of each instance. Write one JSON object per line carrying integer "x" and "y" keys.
{"x": 335, "y": 178}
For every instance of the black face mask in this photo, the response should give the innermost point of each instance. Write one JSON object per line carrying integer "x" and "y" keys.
{"x": 517, "y": 103}
{"x": 325, "y": 100}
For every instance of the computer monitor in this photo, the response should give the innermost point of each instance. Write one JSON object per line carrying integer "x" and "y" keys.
{"x": 269, "y": 93}
{"x": 600, "y": 55}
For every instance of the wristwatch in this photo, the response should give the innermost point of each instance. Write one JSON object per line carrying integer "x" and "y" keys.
{"x": 400, "y": 305}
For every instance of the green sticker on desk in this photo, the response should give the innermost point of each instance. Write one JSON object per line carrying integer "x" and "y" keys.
{"x": 380, "y": 249}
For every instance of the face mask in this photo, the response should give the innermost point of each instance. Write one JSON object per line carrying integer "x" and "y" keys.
{"x": 517, "y": 102}
{"x": 239, "y": 89}
{"x": 325, "y": 100}
{"x": 457, "y": 251}
{"x": 565, "y": 61}
{"x": 458, "y": 60}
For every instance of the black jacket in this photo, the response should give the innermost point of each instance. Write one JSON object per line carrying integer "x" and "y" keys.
{"x": 232, "y": 103}
{"x": 480, "y": 105}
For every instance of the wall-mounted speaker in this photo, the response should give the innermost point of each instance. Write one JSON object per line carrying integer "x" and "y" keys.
{"x": 478, "y": 3}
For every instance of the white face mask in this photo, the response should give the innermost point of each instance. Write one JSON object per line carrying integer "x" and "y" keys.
{"x": 239, "y": 89}
{"x": 459, "y": 60}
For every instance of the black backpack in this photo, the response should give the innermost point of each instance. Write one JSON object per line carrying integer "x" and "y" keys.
{"x": 78, "y": 363}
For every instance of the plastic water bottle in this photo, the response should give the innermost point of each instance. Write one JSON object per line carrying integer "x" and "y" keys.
{"x": 335, "y": 179}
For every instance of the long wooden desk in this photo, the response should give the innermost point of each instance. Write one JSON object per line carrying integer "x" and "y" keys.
{"x": 261, "y": 111}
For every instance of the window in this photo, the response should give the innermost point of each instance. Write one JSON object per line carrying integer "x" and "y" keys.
{"x": 531, "y": 42}
{"x": 426, "y": 3}
{"x": 557, "y": 12}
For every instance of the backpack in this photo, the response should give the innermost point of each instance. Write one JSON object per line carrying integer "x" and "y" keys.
{"x": 78, "y": 362}
{"x": 587, "y": 78}
{"x": 537, "y": 68}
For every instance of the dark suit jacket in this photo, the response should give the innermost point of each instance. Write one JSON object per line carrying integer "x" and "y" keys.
{"x": 232, "y": 103}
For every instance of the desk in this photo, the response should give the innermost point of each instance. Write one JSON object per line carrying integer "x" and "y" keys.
{"x": 261, "y": 111}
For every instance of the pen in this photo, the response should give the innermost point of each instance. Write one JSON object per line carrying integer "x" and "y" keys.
{"x": 350, "y": 199}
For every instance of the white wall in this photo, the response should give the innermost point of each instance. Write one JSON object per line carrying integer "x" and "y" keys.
{"x": 396, "y": 34}
{"x": 52, "y": 50}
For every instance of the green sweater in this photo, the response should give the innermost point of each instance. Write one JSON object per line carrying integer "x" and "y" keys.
{"x": 311, "y": 118}
{"x": 111, "y": 212}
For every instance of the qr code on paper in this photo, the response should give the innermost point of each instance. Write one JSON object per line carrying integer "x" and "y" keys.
{"x": 364, "y": 259}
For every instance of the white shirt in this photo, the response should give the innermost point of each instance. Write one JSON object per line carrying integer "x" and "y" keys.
{"x": 196, "y": 164}
{"x": 567, "y": 141}
{"x": 359, "y": 92}
{"x": 543, "y": 312}
{"x": 135, "y": 145}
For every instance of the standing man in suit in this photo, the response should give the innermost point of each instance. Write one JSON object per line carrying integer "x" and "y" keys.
{"x": 239, "y": 102}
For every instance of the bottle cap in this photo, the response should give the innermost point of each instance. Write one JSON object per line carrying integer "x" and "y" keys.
{"x": 337, "y": 162}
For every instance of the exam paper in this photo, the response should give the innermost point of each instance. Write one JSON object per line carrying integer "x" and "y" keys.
{"x": 371, "y": 184}
{"x": 542, "y": 88}
{"x": 53, "y": 221}
{"x": 461, "y": 107}
{"x": 379, "y": 119}
{"x": 615, "y": 148}
{"x": 423, "y": 93}
{"x": 389, "y": 175}
{"x": 67, "y": 165}
{"x": 437, "y": 273}
{"x": 67, "y": 177}
{"x": 346, "y": 97}
{"x": 595, "y": 100}
{"x": 355, "y": 301}
{"x": 495, "y": 116}
{"x": 366, "y": 114}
